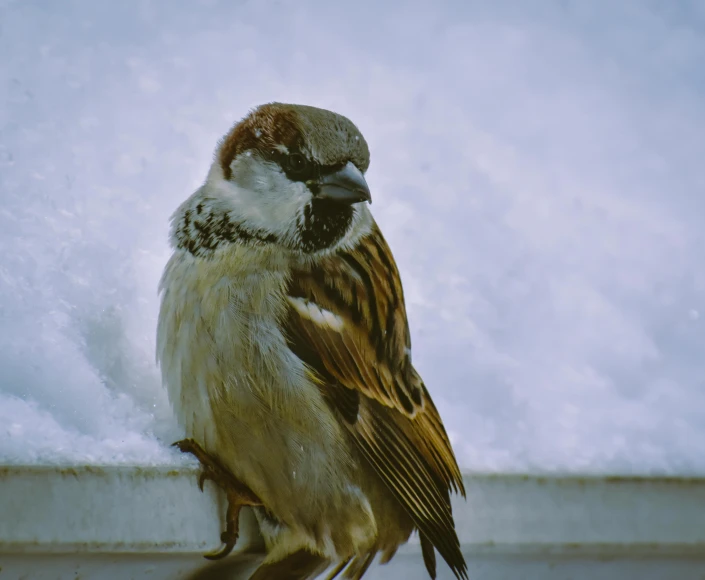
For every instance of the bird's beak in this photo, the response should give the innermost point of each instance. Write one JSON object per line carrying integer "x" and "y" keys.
{"x": 347, "y": 185}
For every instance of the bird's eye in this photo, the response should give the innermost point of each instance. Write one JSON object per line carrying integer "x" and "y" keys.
{"x": 297, "y": 164}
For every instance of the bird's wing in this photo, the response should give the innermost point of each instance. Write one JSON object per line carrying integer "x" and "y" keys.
{"x": 347, "y": 322}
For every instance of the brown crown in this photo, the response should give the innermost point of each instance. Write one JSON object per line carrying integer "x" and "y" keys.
{"x": 324, "y": 136}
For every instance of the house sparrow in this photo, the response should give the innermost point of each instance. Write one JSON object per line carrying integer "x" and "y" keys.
{"x": 284, "y": 345}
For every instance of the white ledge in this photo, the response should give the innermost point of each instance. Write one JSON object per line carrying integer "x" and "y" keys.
{"x": 156, "y": 519}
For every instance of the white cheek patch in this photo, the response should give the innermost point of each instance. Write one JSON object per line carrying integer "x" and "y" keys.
{"x": 316, "y": 314}
{"x": 262, "y": 197}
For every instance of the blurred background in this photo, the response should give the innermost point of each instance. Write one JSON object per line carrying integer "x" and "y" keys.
{"x": 536, "y": 167}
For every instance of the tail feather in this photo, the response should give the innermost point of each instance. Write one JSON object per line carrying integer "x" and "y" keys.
{"x": 338, "y": 569}
{"x": 301, "y": 565}
{"x": 429, "y": 555}
{"x": 357, "y": 568}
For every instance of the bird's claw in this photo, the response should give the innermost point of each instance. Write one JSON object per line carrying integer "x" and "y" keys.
{"x": 229, "y": 540}
{"x": 204, "y": 476}
{"x": 238, "y": 494}
{"x": 184, "y": 445}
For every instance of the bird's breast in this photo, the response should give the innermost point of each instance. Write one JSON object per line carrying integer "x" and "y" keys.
{"x": 234, "y": 383}
{"x": 220, "y": 341}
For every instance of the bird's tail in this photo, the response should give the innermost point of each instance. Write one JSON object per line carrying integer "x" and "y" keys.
{"x": 301, "y": 565}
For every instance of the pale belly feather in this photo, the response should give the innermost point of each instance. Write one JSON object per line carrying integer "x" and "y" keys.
{"x": 239, "y": 391}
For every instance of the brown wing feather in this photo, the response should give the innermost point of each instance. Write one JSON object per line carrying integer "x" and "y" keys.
{"x": 362, "y": 357}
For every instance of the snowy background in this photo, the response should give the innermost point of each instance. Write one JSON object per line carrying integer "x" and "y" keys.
{"x": 536, "y": 166}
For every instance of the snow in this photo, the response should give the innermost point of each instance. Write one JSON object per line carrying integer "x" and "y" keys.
{"x": 536, "y": 167}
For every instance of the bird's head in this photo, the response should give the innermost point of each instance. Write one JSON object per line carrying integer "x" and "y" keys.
{"x": 291, "y": 175}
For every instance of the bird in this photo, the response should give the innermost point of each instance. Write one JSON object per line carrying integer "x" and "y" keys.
{"x": 284, "y": 347}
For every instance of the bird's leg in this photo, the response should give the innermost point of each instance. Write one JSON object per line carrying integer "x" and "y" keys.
{"x": 238, "y": 494}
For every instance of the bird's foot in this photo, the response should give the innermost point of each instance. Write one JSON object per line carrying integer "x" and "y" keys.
{"x": 238, "y": 494}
